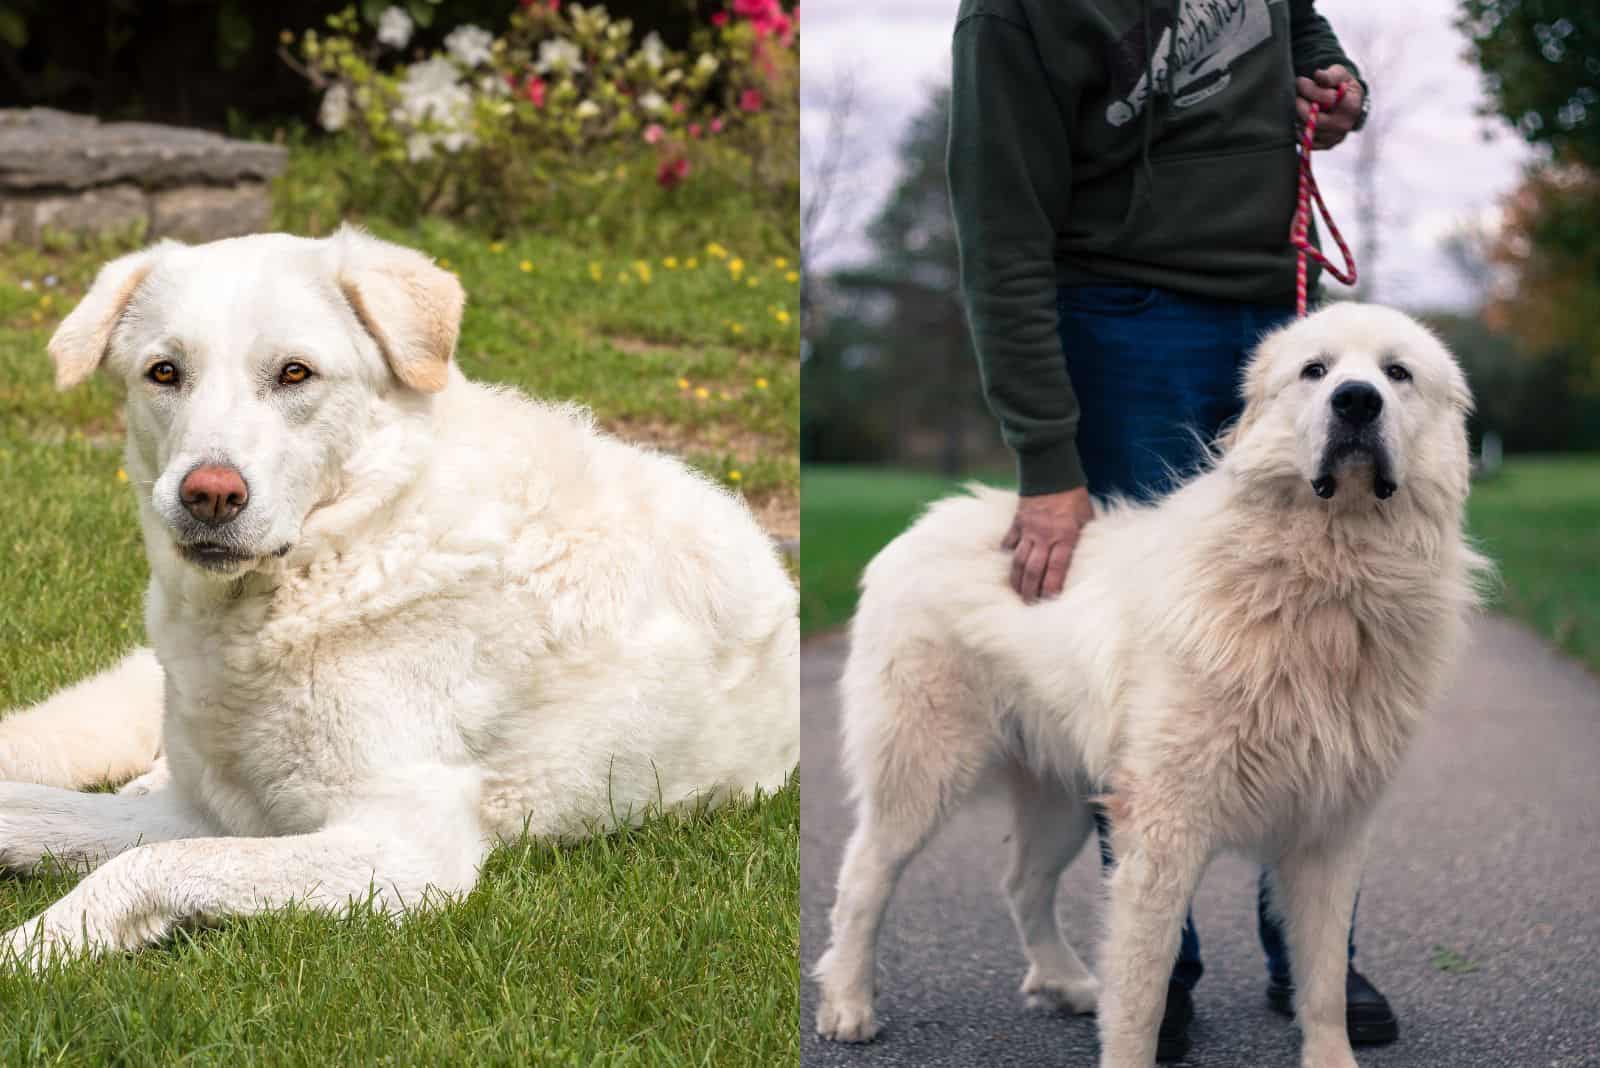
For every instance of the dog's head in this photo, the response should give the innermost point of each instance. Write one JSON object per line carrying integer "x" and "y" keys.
{"x": 1356, "y": 399}
{"x": 253, "y": 369}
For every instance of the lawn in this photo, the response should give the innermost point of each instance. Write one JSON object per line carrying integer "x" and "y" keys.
{"x": 1539, "y": 518}
{"x": 676, "y": 943}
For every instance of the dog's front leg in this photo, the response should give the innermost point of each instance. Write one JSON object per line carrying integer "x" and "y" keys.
{"x": 1150, "y": 890}
{"x": 83, "y": 830}
{"x": 396, "y": 857}
{"x": 1315, "y": 889}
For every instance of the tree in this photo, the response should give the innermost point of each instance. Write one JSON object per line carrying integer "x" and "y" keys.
{"x": 1541, "y": 65}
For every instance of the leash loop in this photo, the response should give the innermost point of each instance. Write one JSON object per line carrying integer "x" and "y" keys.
{"x": 1302, "y": 218}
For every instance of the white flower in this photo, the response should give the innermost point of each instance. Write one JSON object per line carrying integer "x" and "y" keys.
{"x": 394, "y": 28}
{"x": 493, "y": 85}
{"x": 557, "y": 55}
{"x": 335, "y": 110}
{"x": 587, "y": 110}
{"x": 672, "y": 77}
{"x": 653, "y": 51}
{"x": 707, "y": 65}
{"x": 432, "y": 94}
{"x": 469, "y": 44}
{"x": 652, "y": 101}
{"x": 419, "y": 146}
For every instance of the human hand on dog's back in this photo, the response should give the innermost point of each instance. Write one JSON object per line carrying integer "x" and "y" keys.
{"x": 1042, "y": 537}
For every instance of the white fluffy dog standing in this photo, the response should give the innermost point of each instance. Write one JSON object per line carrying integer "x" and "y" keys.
{"x": 396, "y": 615}
{"x": 1239, "y": 666}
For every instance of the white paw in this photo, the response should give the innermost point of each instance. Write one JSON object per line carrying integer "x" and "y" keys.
{"x": 1055, "y": 993}
{"x": 842, "y": 1019}
{"x": 154, "y": 779}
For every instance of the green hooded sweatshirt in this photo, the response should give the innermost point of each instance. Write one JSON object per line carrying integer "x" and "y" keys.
{"x": 1062, "y": 171}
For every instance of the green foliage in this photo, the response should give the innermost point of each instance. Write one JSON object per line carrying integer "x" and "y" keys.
{"x": 1541, "y": 64}
{"x": 511, "y": 128}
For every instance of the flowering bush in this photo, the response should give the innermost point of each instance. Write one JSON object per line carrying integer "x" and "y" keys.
{"x": 564, "y": 95}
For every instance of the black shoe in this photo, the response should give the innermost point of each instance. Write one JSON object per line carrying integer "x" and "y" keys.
{"x": 1367, "y": 1014}
{"x": 1172, "y": 1041}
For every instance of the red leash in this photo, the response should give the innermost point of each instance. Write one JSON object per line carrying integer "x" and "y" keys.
{"x": 1302, "y": 219}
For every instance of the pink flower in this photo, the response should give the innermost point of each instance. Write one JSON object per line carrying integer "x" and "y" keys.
{"x": 535, "y": 90}
{"x": 719, "y": 19}
{"x": 677, "y": 107}
{"x": 750, "y": 100}
{"x": 653, "y": 133}
{"x": 694, "y": 129}
{"x": 672, "y": 171}
{"x": 716, "y": 125}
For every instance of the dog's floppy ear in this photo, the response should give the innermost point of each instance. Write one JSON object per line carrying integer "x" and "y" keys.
{"x": 79, "y": 343}
{"x": 1253, "y": 386}
{"x": 411, "y": 308}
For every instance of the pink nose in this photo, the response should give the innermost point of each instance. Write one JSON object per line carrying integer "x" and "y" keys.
{"x": 214, "y": 494}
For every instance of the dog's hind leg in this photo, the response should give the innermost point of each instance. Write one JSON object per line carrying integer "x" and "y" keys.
{"x": 1050, "y": 825}
{"x": 914, "y": 746}
{"x": 105, "y": 729}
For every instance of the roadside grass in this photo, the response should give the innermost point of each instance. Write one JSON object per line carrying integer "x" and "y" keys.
{"x": 1539, "y": 519}
{"x": 675, "y": 943}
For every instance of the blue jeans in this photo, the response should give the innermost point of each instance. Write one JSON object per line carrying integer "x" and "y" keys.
{"x": 1157, "y": 374}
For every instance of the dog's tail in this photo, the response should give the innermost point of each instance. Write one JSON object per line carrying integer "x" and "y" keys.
{"x": 106, "y": 729}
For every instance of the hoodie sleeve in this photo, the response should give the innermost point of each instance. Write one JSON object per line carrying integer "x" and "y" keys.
{"x": 1313, "y": 44}
{"x": 1010, "y": 180}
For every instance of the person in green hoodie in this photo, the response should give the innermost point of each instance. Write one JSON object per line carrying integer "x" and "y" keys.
{"x": 1123, "y": 175}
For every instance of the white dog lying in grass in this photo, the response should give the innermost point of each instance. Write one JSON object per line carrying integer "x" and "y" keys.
{"x": 396, "y": 615}
{"x": 1241, "y": 665}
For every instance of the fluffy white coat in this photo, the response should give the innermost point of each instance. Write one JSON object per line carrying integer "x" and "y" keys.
{"x": 1239, "y": 666}
{"x": 447, "y": 614}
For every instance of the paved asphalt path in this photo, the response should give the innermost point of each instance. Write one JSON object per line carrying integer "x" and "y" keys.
{"x": 1488, "y": 845}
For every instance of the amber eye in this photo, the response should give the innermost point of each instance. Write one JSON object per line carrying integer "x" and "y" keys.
{"x": 293, "y": 374}
{"x": 164, "y": 373}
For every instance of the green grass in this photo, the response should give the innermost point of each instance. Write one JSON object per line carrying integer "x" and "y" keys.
{"x": 1539, "y": 519}
{"x": 676, "y": 943}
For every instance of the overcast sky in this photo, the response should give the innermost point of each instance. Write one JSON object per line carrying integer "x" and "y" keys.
{"x": 1443, "y": 164}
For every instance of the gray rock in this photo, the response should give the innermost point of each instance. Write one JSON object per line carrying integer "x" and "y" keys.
{"x": 67, "y": 172}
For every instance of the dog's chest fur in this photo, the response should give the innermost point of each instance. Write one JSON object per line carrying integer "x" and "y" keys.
{"x": 1314, "y": 668}
{"x": 279, "y": 699}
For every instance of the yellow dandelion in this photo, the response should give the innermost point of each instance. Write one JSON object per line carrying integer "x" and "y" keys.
{"x": 670, "y": 263}
{"x": 780, "y": 263}
{"x": 46, "y": 300}
{"x": 122, "y": 476}
{"x": 717, "y": 251}
{"x": 525, "y": 266}
{"x": 497, "y": 246}
{"x": 596, "y": 272}
{"x": 642, "y": 269}
{"x": 792, "y": 276}
{"x": 753, "y": 282}
{"x": 702, "y": 392}
{"x": 781, "y": 315}
{"x": 623, "y": 277}
{"x": 683, "y": 383}
{"x": 735, "y": 266}
{"x": 737, "y": 328}
{"x": 444, "y": 263}
{"x": 38, "y": 316}
{"x": 691, "y": 264}
{"x": 735, "y": 476}
{"x": 761, "y": 383}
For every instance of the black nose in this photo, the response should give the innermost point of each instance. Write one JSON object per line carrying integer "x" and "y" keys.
{"x": 1357, "y": 403}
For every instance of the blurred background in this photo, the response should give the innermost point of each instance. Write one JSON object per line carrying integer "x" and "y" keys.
{"x": 1471, "y": 199}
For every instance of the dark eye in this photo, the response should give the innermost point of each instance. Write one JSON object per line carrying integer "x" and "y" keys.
{"x": 1314, "y": 370}
{"x": 164, "y": 373}
{"x": 293, "y": 374}
{"x": 1397, "y": 373}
